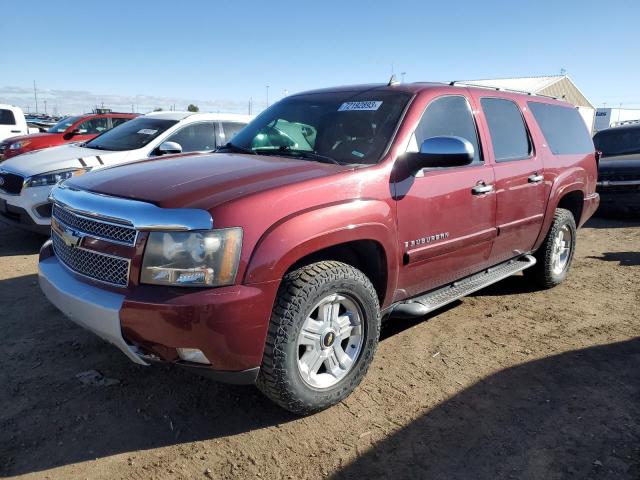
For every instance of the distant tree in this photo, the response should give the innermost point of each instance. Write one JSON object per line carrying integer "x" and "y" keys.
{"x": 159, "y": 109}
{"x": 193, "y": 108}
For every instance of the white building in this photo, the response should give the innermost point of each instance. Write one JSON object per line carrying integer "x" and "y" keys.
{"x": 613, "y": 117}
{"x": 559, "y": 86}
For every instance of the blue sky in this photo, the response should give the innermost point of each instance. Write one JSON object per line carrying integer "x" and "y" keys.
{"x": 225, "y": 52}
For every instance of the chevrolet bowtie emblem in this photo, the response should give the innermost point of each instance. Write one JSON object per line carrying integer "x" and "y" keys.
{"x": 70, "y": 237}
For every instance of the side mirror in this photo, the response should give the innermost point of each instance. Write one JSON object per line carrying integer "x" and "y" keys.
{"x": 75, "y": 131}
{"x": 168, "y": 147}
{"x": 440, "y": 152}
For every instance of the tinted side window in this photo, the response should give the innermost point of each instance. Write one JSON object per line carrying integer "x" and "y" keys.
{"x": 449, "y": 116}
{"x": 195, "y": 137}
{"x": 115, "y": 121}
{"x": 95, "y": 125}
{"x": 506, "y": 126}
{"x": 563, "y": 128}
{"x": 230, "y": 129}
{"x": 6, "y": 117}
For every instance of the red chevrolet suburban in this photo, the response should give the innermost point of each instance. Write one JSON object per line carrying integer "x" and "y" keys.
{"x": 274, "y": 260}
{"x": 71, "y": 129}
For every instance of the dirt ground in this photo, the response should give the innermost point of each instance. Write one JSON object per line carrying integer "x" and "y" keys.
{"x": 508, "y": 383}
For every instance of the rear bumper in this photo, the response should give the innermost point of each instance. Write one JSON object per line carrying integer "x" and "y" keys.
{"x": 590, "y": 205}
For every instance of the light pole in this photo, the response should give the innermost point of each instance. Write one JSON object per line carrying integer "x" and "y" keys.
{"x": 402, "y": 76}
{"x": 35, "y": 94}
{"x": 267, "y": 96}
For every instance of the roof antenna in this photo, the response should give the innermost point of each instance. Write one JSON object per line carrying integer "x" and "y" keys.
{"x": 393, "y": 81}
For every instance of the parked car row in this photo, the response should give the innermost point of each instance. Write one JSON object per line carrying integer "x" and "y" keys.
{"x": 274, "y": 259}
{"x": 70, "y": 129}
{"x": 27, "y": 179}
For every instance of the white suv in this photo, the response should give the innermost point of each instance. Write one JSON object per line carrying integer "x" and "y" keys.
{"x": 27, "y": 179}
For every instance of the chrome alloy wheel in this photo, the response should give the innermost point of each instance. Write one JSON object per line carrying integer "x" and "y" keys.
{"x": 330, "y": 341}
{"x": 561, "y": 251}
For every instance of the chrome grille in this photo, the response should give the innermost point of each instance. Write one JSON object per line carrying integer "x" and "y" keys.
{"x": 105, "y": 268}
{"x": 95, "y": 228}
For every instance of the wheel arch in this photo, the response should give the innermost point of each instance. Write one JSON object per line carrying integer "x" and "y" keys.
{"x": 359, "y": 233}
{"x": 568, "y": 194}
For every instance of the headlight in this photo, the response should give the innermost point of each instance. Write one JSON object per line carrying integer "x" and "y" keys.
{"x": 192, "y": 259}
{"x": 52, "y": 178}
{"x": 19, "y": 145}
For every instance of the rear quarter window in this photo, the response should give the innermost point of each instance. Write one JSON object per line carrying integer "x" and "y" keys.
{"x": 563, "y": 128}
{"x": 7, "y": 117}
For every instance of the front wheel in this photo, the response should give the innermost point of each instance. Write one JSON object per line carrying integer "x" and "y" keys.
{"x": 556, "y": 253}
{"x": 322, "y": 336}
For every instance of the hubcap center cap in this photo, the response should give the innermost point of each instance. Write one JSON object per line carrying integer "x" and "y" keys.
{"x": 328, "y": 339}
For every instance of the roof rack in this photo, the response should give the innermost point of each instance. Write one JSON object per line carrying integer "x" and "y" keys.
{"x": 499, "y": 89}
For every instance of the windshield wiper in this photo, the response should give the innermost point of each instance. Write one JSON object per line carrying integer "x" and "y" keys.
{"x": 235, "y": 148}
{"x": 306, "y": 154}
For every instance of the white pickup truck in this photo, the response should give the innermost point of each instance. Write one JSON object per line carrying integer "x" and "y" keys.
{"x": 12, "y": 122}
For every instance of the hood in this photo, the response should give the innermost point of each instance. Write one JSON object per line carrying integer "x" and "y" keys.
{"x": 201, "y": 181}
{"x": 55, "y": 158}
{"x": 34, "y": 137}
{"x": 620, "y": 165}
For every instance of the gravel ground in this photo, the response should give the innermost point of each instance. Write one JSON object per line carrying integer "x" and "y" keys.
{"x": 509, "y": 383}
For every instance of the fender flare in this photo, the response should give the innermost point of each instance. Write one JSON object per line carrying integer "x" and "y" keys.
{"x": 304, "y": 233}
{"x": 560, "y": 187}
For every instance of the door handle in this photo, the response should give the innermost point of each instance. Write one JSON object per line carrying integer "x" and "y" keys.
{"x": 535, "y": 178}
{"x": 15, "y": 131}
{"x": 481, "y": 189}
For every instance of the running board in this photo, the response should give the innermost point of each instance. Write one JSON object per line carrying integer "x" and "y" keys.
{"x": 419, "y": 306}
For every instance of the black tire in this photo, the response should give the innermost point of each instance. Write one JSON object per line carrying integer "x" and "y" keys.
{"x": 280, "y": 378}
{"x": 542, "y": 273}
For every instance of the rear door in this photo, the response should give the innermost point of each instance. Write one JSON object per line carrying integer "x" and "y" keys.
{"x": 520, "y": 188}
{"x": 446, "y": 223}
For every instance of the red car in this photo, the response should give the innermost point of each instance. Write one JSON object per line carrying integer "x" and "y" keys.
{"x": 70, "y": 129}
{"x": 275, "y": 260}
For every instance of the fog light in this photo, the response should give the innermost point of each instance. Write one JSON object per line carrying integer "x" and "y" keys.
{"x": 193, "y": 355}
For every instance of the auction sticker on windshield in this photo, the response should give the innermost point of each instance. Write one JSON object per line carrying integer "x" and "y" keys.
{"x": 360, "y": 106}
{"x": 147, "y": 131}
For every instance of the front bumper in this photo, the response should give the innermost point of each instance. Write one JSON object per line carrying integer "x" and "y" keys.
{"x": 90, "y": 307}
{"x": 228, "y": 324}
{"x": 30, "y": 210}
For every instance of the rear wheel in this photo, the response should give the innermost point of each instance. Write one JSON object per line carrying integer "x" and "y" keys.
{"x": 323, "y": 333}
{"x": 556, "y": 253}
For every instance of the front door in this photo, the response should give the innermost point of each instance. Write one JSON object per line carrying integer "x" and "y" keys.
{"x": 446, "y": 216}
{"x": 519, "y": 179}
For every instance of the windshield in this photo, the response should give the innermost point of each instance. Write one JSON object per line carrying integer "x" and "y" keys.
{"x": 614, "y": 142}
{"x": 63, "y": 124}
{"x": 131, "y": 135}
{"x": 345, "y": 127}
